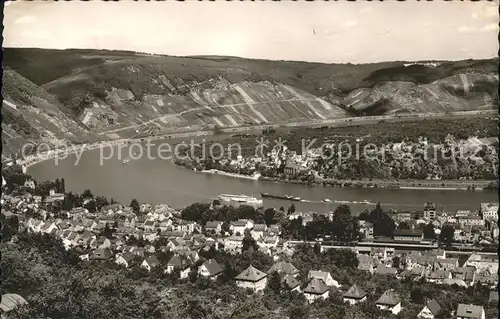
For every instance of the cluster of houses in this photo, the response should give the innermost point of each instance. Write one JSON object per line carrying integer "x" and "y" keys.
{"x": 183, "y": 241}
{"x": 471, "y": 227}
{"x": 432, "y": 266}
{"x": 321, "y": 283}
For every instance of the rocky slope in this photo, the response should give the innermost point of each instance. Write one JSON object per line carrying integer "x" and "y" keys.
{"x": 112, "y": 94}
{"x": 32, "y": 116}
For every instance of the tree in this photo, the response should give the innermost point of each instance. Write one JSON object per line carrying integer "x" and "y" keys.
{"x": 249, "y": 243}
{"x": 135, "y": 206}
{"x": 100, "y": 202}
{"x": 396, "y": 262}
{"x": 193, "y": 275}
{"x": 62, "y": 186}
{"x": 447, "y": 234}
{"x": 417, "y": 295}
{"x": 429, "y": 232}
{"x": 297, "y": 312}
{"x": 275, "y": 282}
{"x": 269, "y": 216}
{"x": 196, "y": 212}
{"x": 91, "y": 206}
{"x": 57, "y": 185}
{"x": 403, "y": 225}
{"x": 291, "y": 209}
{"x": 87, "y": 194}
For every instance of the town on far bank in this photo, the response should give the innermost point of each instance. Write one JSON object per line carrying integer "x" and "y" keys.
{"x": 395, "y": 264}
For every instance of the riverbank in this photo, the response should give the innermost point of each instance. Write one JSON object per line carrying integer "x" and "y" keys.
{"x": 63, "y": 151}
{"x": 469, "y": 185}
{"x": 452, "y": 185}
{"x": 254, "y": 177}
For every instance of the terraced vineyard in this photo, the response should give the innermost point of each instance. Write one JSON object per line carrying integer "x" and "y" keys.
{"x": 85, "y": 94}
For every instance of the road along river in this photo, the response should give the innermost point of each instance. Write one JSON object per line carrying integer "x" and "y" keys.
{"x": 160, "y": 181}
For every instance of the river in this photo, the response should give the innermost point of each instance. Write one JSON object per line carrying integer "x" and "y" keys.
{"x": 159, "y": 181}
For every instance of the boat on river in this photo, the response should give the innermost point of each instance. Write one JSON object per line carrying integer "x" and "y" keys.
{"x": 326, "y": 200}
{"x": 286, "y": 197}
{"x": 237, "y": 200}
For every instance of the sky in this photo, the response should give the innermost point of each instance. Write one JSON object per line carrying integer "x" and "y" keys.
{"x": 332, "y": 32}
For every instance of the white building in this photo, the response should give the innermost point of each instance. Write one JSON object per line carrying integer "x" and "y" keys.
{"x": 430, "y": 310}
{"x": 354, "y": 295}
{"x": 316, "y": 289}
{"x": 252, "y": 278}
{"x": 489, "y": 211}
{"x": 324, "y": 276}
{"x": 210, "y": 269}
{"x": 470, "y": 312}
{"x": 389, "y": 301}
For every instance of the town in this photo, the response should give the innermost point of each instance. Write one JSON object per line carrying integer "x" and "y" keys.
{"x": 448, "y": 250}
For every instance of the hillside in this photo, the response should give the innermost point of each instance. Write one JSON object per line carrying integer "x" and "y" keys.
{"x": 124, "y": 94}
{"x": 32, "y": 115}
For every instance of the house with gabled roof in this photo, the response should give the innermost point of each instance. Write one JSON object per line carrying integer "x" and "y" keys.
{"x": 465, "y": 311}
{"x": 191, "y": 254}
{"x": 10, "y": 302}
{"x": 316, "y": 289}
{"x": 415, "y": 273}
{"x": 101, "y": 254}
{"x": 483, "y": 261}
{"x": 448, "y": 264}
{"x": 389, "y": 301}
{"x": 210, "y": 268}
{"x": 172, "y": 234}
{"x": 430, "y": 310}
{"x": 438, "y": 276}
{"x": 258, "y": 231}
{"x": 354, "y": 295}
{"x": 150, "y": 263}
{"x": 214, "y": 226}
{"x": 485, "y": 278}
{"x": 240, "y": 225}
{"x": 464, "y": 273}
{"x": 149, "y": 225}
{"x": 386, "y": 271}
{"x": 233, "y": 244}
{"x": 100, "y": 242}
{"x": 366, "y": 266}
{"x": 252, "y": 278}
{"x": 274, "y": 230}
{"x": 126, "y": 259}
{"x": 325, "y": 276}
{"x": 283, "y": 267}
{"x": 270, "y": 242}
{"x": 291, "y": 283}
{"x": 138, "y": 251}
{"x": 48, "y": 227}
{"x": 181, "y": 263}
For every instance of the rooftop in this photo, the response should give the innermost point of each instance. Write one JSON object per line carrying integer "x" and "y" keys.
{"x": 469, "y": 311}
{"x": 251, "y": 274}
{"x": 316, "y": 287}
{"x": 354, "y": 292}
{"x": 389, "y": 298}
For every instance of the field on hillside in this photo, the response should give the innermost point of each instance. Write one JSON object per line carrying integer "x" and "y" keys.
{"x": 435, "y": 130}
{"x": 123, "y": 94}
